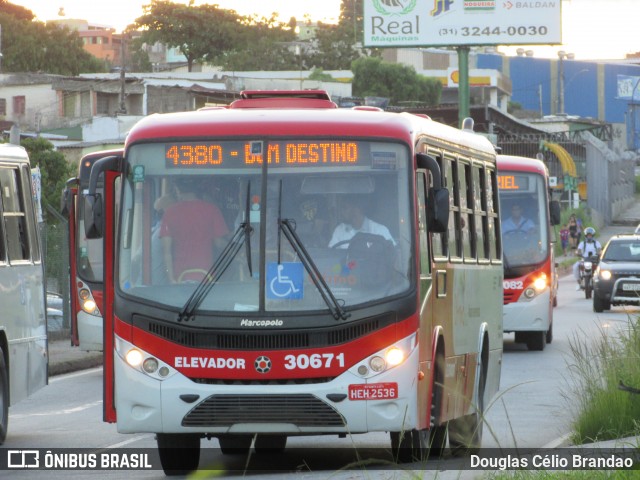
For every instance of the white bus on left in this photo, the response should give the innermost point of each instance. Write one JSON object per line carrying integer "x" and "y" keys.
{"x": 23, "y": 327}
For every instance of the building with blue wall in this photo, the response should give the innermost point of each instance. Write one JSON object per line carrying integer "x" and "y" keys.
{"x": 588, "y": 89}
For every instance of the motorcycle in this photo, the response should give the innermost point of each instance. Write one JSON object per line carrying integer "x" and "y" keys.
{"x": 586, "y": 268}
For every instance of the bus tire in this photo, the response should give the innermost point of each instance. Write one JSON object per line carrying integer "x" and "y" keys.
{"x": 438, "y": 433}
{"x": 270, "y": 443}
{"x": 536, "y": 341}
{"x": 179, "y": 453}
{"x": 465, "y": 433}
{"x": 549, "y": 335}
{"x": 418, "y": 445}
{"x": 4, "y": 398}
{"x": 235, "y": 444}
{"x": 410, "y": 445}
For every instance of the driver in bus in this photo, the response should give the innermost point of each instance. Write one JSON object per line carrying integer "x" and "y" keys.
{"x": 517, "y": 222}
{"x": 190, "y": 229}
{"x": 356, "y": 221}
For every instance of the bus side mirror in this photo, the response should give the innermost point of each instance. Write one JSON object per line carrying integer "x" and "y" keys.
{"x": 67, "y": 197}
{"x": 438, "y": 210}
{"x": 92, "y": 200}
{"x": 554, "y": 211}
{"x": 93, "y": 215}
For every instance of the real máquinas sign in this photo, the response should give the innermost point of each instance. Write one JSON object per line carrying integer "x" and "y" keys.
{"x": 389, "y": 23}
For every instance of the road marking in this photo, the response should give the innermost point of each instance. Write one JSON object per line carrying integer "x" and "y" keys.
{"x": 65, "y": 411}
{"x": 131, "y": 440}
{"x": 58, "y": 378}
{"x": 558, "y": 441}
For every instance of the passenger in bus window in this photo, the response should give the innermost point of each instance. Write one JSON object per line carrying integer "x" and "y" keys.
{"x": 310, "y": 224}
{"x": 190, "y": 230}
{"x": 158, "y": 267}
{"x": 355, "y": 221}
{"x": 517, "y": 223}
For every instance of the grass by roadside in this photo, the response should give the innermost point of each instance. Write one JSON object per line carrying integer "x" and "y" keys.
{"x": 604, "y": 411}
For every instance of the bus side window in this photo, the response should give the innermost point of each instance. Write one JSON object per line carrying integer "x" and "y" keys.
{"x": 480, "y": 210}
{"x": 421, "y": 190}
{"x": 493, "y": 234}
{"x": 14, "y": 215}
{"x": 439, "y": 240}
{"x": 454, "y": 236}
{"x": 466, "y": 212}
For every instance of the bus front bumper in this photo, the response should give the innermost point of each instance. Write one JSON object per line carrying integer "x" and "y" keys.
{"x": 528, "y": 316}
{"x": 181, "y": 405}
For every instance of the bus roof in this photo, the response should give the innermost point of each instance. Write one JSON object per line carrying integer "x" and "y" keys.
{"x": 521, "y": 164}
{"x": 287, "y": 121}
{"x": 9, "y": 151}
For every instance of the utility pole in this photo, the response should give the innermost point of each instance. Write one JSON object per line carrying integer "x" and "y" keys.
{"x": 123, "y": 106}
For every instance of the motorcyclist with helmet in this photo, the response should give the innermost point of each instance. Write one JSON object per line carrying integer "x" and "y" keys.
{"x": 586, "y": 248}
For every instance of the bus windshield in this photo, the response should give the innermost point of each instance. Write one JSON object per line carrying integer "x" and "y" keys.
{"x": 525, "y": 234}
{"x": 188, "y": 206}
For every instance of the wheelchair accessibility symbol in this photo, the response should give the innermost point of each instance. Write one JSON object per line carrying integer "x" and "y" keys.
{"x": 285, "y": 281}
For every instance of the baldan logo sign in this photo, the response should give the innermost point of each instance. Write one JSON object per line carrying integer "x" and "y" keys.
{"x": 389, "y": 23}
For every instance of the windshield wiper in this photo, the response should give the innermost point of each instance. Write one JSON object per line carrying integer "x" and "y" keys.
{"x": 231, "y": 249}
{"x": 285, "y": 226}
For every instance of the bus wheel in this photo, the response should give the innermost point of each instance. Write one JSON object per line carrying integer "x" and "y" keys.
{"x": 179, "y": 453}
{"x": 465, "y": 433}
{"x": 270, "y": 443}
{"x": 549, "y": 335}
{"x": 235, "y": 444}
{"x": 438, "y": 433}
{"x": 536, "y": 340}
{"x": 410, "y": 445}
{"x": 4, "y": 398}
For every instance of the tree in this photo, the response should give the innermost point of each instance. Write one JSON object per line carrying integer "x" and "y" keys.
{"x": 16, "y": 11}
{"x": 400, "y": 83}
{"x": 263, "y": 43}
{"x": 29, "y": 46}
{"x": 54, "y": 168}
{"x": 200, "y": 32}
{"x": 339, "y": 45}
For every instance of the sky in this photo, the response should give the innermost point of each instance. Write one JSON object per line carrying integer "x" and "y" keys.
{"x": 591, "y": 29}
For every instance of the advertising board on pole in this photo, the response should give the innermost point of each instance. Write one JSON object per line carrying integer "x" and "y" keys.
{"x": 403, "y": 23}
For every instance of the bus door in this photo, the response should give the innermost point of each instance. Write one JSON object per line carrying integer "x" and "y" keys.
{"x": 69, "y": 208}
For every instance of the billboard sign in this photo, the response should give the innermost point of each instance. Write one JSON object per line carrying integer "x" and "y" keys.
{"x": 403, "y": 23}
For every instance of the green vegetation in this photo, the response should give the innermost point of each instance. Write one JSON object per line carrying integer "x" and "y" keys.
{"x": 400, "y": 83}
{"x": 604, "y": 411}
{"x": 31, "y": 46}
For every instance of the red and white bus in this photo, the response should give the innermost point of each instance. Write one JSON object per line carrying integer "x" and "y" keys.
{"x": 85, "y": 261}
{"x": 530, "y": 279}
{"x": 397, "y": 328}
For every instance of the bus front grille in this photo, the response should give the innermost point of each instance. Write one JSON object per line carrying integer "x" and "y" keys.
{"x": 302, "y": 410}
{"x": 263, "y": 340}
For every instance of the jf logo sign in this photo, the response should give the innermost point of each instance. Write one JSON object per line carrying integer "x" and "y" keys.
{"x": 400, "y": 23}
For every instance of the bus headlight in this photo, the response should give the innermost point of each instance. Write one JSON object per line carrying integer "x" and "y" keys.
{"x": 536, "y": 288}
{"x": 134, "y": 357}
{"x": 385, "y": 359}
{"x": 87, "y": 303}
{"x": 142, "y": 361}
{"x": 394, "y": 356}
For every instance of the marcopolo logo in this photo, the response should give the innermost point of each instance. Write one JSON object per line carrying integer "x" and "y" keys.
{"x": 394, "y": 7}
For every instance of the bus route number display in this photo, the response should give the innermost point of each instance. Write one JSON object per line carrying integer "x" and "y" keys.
{"x": 251, "y": 154}
{"x": 513, "y": 182}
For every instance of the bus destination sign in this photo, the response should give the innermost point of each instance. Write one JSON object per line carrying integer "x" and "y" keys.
{"x": 251, "y": 154}
{"x": 513, "y": 182}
